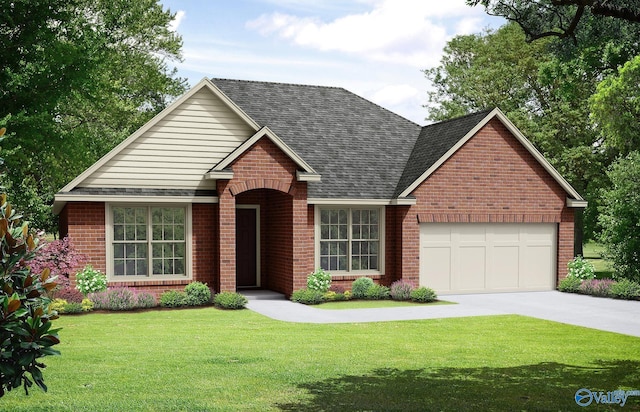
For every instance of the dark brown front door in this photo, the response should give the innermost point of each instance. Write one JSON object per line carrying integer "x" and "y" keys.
{"x": 246, "y": 248}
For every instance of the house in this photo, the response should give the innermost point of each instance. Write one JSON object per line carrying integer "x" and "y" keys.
{"x": 244, "y": 184}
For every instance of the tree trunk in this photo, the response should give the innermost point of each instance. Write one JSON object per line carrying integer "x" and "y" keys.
{"x": 578, "y": 232}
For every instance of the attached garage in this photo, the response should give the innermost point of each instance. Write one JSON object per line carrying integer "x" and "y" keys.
{"x": 488, "y": 257}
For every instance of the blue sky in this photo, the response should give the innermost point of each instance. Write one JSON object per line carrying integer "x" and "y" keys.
{"x": 374, "y": 48}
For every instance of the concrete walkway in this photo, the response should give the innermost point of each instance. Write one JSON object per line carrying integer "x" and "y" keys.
{"x": 599, "y": 313}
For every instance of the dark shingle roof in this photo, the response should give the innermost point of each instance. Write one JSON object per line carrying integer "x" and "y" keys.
{"x": 434, "y": 141}
{"x": 359, "y": 148}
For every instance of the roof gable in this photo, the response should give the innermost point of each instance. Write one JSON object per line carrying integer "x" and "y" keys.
{"x": 438, "y": 142}
{"x": 163, "y": 140}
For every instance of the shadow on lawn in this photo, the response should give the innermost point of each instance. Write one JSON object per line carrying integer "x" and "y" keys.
{"x": 544, "y": 386}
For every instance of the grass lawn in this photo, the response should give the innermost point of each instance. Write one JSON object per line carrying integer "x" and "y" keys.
{"x": 370, "y": 304}
{"x": 212, "y": 360}
{"x": 593, "y": 253}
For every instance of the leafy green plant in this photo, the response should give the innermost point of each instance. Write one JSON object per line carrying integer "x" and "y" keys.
{"x": 377, "y": 292}
{"x": 307, "y": 296}
{"x": 230, "y": 300}
{"x": 570, "y": 284}
{"x": 423, "y": 295}
{"x": 63, "y": 306}
{"x": 319, "y": 280}
{"x": 26, "y": 333}
{"x": 360, "y": 286}
{"x": 197, "y": 294}
{"x": 625, "y": 289}
{"x": 401, "y": 290}
{"x": 87, "y": 305}
{"x": 90, "y": 280}
{"x": 581, "y": 269}
{"x": 173, "y": 299}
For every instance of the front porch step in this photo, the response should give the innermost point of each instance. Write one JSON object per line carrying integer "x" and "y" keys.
{"x": 261, "y": 294}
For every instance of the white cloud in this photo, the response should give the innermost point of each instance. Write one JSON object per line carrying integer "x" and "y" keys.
{"x": 407, "y": 32}
{"x": 175, "y": 23}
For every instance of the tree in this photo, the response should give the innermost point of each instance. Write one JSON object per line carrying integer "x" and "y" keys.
{"x": 558, "y": 18}
{"x": 78, "y": 77}
{"x": 620, "y": 217}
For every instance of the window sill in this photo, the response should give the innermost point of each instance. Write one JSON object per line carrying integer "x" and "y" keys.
{"x": 149, "y": 282}
{"x": 354, "y": 276}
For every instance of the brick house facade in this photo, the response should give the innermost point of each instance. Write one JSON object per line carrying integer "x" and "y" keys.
{"x": 359, "y": 192}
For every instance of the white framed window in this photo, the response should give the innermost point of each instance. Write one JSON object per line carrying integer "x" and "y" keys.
{"x": 148, "y": 242}
{"x": 350, "y": 239}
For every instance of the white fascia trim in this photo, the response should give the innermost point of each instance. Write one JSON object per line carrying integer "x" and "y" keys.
{"x": 60, "y": 200}
{"x": 204, "y": 83}
{"x": 308, "y": 177}
{"x": 404, "y": 201}
{"x": 265, "y": 131}
{"x": 353, "y": 202}
{"x": 219, "y": 175}
{"x": 577, "y": 203}
{"x": 521, "y": 138}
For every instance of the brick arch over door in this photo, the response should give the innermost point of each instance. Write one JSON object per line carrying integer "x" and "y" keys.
{"x": 252, "y": 184}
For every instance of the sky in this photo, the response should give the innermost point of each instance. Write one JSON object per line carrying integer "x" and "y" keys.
{"x": 377, "y": 49}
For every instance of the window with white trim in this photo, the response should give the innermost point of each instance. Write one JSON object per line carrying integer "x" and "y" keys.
{"x": 148, "y": 241}
{"x": 350, "y": 239}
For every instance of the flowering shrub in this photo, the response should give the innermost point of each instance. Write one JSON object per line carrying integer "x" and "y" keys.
{"x": 319, "y": 281}
{"x": 401, "y": 290}
{"x": 596, "y": 287}
{"x": 90, "y": 280}
{"x": 69, "y": 294}
{"x": 60, "y": 257}
{"x": 581, "y": 269}
{"x": 122, "y": 299}
{"x": 360, "y": 286}
{"x": 337, "y": 288}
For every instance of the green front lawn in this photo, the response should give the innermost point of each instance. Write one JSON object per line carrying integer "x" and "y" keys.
{"x": 212, "y": 360}
{"x": 593, "y": 253}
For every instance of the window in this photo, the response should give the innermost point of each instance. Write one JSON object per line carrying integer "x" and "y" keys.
{"x": 350, "y": 239}
{"x": 148, "y": 242}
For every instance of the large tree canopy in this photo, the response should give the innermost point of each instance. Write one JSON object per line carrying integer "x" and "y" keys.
{"x": 558, "y": 18}
{"x": 77, "y": 77}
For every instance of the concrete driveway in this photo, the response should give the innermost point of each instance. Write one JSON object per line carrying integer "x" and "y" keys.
{"x": 599, "y": 313}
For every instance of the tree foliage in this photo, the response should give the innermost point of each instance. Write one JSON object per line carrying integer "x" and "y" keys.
{"x": 26, "y": 333}
{"x": 620, "y": 217}
{"x": 78, "y": 76}
{"x": 558, "y": 18}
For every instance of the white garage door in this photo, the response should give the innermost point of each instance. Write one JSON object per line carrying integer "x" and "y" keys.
{"x": 487, "y": 257}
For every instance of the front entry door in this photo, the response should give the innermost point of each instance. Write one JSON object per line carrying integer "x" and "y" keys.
{"x": 246, "y": 247}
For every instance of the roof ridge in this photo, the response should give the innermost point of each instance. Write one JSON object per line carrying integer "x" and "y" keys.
{"x": 487, "y": 111}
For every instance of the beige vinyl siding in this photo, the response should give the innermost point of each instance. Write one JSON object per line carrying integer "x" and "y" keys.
{"x": 179, "y": 149}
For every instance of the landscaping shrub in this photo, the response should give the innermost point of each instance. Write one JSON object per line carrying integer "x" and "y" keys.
{"x": 197, "y": 294}
{"x": 60, "y": 257}
{"x": 337, "y": 288}
{"x": 625, "y": 289}
{"x": 581, "y": 269}
{"x": 173, "y": 299}
{"x": 230, "y": 300}
{"x": 319, "y": 280}
{"x": 307, "y": 296}
{"x": 570, "y": 284}
{"x": 596, "y": 287}
{"x": 87, "y": 305}
{"x": 377, "y": 292}
{"x": 401, "y": 290}
{"x": 360, "y": 286}
{"x": 90, "y": 280}
{"x": 69, "y": 294}
{"x": 145, "y": 300}
{"x": 423, "y": 295}
{"x": 114, "y": 299}
{"x": 73, "y": 307}
{"x": 57, "y": 305}
{"x": 64, "y": 306}
{"x": 330, "y": 296}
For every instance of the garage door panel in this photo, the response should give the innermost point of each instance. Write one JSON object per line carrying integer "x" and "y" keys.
{"x": 471, "y": 268}
{"x": 485, "y": 257}
{"x": 435, "y": 268}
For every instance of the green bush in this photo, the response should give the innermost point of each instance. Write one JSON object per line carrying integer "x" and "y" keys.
{"x": 87, "y": 305}
{"x": 63, "y": 306}
{"x": 423, "y": 295}
{"x": 91, "y": 281}
{"x": 230, "y": 300}
{"x": 145, "y": 300}
{"x": 401, "y": 290}
{"x": 319, "y": 280}
{"x": 360, "y": 286}
{"x": 307, "y": 296}
{"x": 581, "y": 269}
{"x": 570, "y": 284}
{"x": 73, "y": 307}
{"x": 197, "y": 294}
{"x": 596, "y": 287}
{"x": 625, "y": 289}
{"x": 173, "y": 299}
{"x": 377, "y": 292}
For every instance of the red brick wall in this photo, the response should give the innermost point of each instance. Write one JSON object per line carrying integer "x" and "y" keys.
{"x": 84, "y": 223}
{"x": 491, "y": 178}
{"x": 204, "y": 243}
